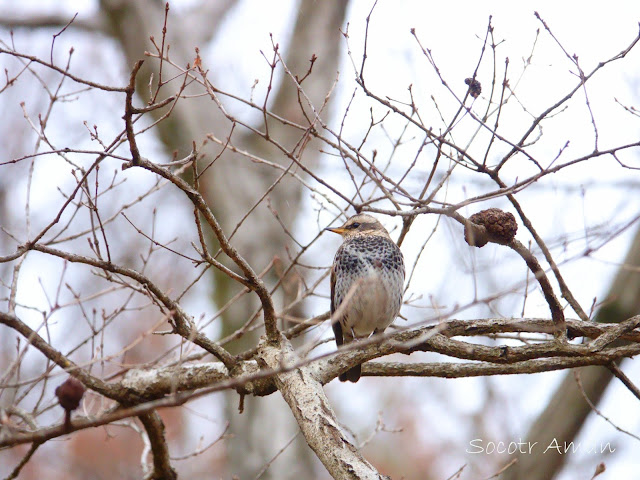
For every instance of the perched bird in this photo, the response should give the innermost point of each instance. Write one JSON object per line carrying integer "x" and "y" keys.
{"x": 367, "y": 274}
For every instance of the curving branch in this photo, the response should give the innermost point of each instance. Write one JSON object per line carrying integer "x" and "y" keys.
{"x": 315, "y": 416}
{"x": 162, "y": 469}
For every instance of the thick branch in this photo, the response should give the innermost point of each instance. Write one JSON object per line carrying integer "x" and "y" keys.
{"x": 154, "y": 426}
{"x": 438, "y": 339}
{"x": 474, "y": 369}
{"x": 499, "y": 360}
{"x": 532, "y": 262}
{"x": 317, "y": 420}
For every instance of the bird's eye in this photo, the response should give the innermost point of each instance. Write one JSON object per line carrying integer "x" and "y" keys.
{"x": 353, "y": 226}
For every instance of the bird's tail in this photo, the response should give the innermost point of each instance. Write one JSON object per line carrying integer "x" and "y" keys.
{"x": 352, "y": 375}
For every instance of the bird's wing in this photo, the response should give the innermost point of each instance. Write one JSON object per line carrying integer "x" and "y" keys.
{"x": 333, "y": 289}
{"x": 335, "y": 323}
{"x": 337, "y": 331}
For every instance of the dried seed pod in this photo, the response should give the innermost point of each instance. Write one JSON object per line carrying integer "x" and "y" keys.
{"x": 475, "y": 89}
{"x": 69, "y": 396}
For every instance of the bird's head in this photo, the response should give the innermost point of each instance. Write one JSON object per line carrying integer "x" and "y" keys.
{"x": 360, "y": 224}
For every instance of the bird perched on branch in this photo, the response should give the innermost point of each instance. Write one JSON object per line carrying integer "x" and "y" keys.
{"x": 368, "y": 277}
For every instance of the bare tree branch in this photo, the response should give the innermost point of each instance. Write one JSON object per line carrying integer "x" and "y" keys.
{"x": 316, "y": 418}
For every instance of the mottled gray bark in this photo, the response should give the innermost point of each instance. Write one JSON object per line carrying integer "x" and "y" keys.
{"x": 305, "y": 396}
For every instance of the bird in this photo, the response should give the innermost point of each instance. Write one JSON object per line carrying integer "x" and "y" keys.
{"x": 368, "y": 274}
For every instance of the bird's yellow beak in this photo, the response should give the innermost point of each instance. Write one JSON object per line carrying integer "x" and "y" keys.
{"x": 338, "y": 230}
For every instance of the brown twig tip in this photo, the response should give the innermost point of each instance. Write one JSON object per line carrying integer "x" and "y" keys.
{"x": 475, "y": 89}
{"x": 491, "y": 225}
{"x": 600, "y": 468}
{"x": 69, "y": 396}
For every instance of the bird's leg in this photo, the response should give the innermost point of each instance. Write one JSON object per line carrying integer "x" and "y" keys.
{"x": 354, "y": 338}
